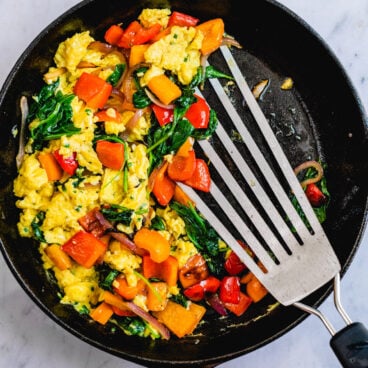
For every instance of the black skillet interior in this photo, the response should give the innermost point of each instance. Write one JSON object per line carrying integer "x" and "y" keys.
{"x": 320, "y": 117}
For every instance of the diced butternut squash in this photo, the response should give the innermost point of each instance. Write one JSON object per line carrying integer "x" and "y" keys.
{"x": 164, "y": 89}
{"x": 137, "y": 54}
{"x": 102, "y": 313}
{"x": 157, "y": 296}
{"x": 58, "y": 257}
{"x": 179, "y": 320}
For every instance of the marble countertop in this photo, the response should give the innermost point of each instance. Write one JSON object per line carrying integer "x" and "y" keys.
{"x": 29, "y": 339}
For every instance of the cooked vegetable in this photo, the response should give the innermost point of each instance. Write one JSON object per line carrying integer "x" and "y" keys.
{"x": 49, "y": 163}
{"x": 93, "y": 90}
{"x": 182, "y": 20}
{"x": 199, "y": 113}
{"x": 179, "y": 320}
{"x": 154, "y": 242}
{"x": 58, "y": 257}
{"x": 166, "y": 90}
{"x": 53, "y": 112}
{"x": 201, "y": 177}
{"x": 102, "y": 313}
{"x": 111, "y": 154}
{"x": 84, "y": 248}
{"x": 136, "y": 55}
{"x": 213, "y": 31}
{"x": 68, "y": 164}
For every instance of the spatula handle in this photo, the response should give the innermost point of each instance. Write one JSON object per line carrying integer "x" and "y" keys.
{"x": 351, "y": 346}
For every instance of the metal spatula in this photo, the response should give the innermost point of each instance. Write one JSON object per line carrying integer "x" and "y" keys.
{"x": 295, "y": 252}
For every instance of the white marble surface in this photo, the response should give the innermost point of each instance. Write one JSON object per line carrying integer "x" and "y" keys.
{"x": 29, "y": 339}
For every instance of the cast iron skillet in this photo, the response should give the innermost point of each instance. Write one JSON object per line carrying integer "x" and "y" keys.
{"x": 321, "y": 117}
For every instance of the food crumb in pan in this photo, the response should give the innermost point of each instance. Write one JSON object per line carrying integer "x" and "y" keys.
{"x": 287, "y": 84}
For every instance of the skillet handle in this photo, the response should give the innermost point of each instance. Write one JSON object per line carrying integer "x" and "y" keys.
{"x": 350, "y": 345}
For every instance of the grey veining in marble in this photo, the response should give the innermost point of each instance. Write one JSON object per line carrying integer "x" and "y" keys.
{"x": 29, "y": 339}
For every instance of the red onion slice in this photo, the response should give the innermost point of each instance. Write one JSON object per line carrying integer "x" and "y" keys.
{"x": 214, "y": 301}
{"x": 164, "y": 332}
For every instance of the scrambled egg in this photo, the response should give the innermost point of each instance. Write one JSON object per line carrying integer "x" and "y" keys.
{"x": 149, "y": 17}
{"x": 178, "y": 52}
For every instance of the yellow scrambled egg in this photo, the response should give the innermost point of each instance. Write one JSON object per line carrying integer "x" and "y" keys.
{"x": 178, "y": 52}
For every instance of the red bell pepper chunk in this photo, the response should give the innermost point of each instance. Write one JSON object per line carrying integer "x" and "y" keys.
{"x": 233, "y": 265}
{"x": 93, "y": 90}
{"x": 239, "y": 308}
{"x": 91, "y": 223}
{"x": 199, "y": 113}
{"x": 195, "y": 292}
{"x": 146, "y": 34}
{"x": 201, "y": 178}
{"x": 113, "y": 34}
{"x": 135, "y": 34}
{"x": 210, "y": 284}
{"x": 163, "y": 187}
{"x": 182, "y": 20}
{"x": 84, "y": 248}
{"x": 68, "y": 164}
{"x": 182, "y": 167}
{"x": 126, "y": 40}
{"x": 315, "y": 195}
{"x": 163, "y": 115}
{"x": 230, "y": 290}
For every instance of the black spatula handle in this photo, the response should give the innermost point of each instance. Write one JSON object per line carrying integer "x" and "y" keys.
{"x": 351, "y": 346}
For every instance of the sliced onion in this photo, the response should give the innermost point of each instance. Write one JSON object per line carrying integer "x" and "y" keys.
{"x": 214, "y": 301}
{"x": 131, "y": 124}
{"x": 85, "y": 64}
{"x": 24, "y": 112}
{"x": 260, "y": 88}
{"x": 128, "y": 243}
{"x": 306, "y": 165}
{"x": 230, "y": 41}
{"x": 164, "y": 332}
{"x": 100, "y": 46}
{"x": 156, "y": 101}
{"x": 120, "y": 237}
{"x": 128, "y": 85}
{"x": 204, "y": 59}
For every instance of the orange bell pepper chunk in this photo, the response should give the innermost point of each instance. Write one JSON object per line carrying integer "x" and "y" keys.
{"x": 213, "y": 31}
{"x": 157, "y": 296}
{"x": 109, "y": 114}
{"x": 151, "y": 240}
{"x": 166, "y": 270}
{"x": 182, "y": 197}
{"x": 121, "y": 287}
